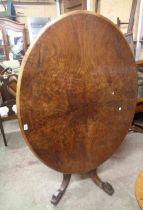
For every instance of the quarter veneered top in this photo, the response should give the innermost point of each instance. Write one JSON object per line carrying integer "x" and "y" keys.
{"x": 76, "y": 92}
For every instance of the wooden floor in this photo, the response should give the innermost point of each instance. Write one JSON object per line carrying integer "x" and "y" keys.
{"x": 139, "y": 189}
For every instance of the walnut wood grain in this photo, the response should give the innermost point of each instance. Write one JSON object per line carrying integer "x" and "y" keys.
{"x": 77, "y": 92}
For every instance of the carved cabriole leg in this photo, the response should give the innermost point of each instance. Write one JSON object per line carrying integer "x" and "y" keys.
{"x": 59, "y": 193}
{"x": 105, "y": 186}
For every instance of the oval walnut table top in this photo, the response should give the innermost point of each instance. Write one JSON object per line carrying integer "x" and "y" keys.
{"x": 77, "y": 92}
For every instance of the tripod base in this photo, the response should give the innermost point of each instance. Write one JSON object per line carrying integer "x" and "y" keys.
{"x": 105, "y": 186}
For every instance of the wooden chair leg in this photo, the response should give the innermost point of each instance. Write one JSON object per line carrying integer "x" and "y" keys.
{"x": 2, "y": 132}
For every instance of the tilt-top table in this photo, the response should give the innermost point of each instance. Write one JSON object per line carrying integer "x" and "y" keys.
{"x": 76, "y": 95}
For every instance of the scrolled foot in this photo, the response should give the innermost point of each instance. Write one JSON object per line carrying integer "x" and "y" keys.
{"x": 56, "y": 197}
{"x": 60, "y": 192}
{"x": 107, "y": 188}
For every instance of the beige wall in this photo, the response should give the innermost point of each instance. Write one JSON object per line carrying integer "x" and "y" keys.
{"x": 119, "y": 8}
{"x": 36, "y": 10}
{"x": 109, "y": 8}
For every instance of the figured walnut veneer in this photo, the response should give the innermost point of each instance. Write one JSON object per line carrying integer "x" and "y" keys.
{"x": 77, "y": 92}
